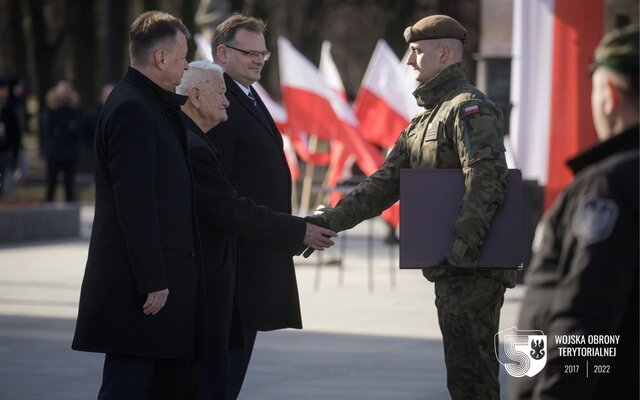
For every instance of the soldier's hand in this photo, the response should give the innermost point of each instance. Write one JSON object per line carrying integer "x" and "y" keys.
{"x": 453, "y": 270}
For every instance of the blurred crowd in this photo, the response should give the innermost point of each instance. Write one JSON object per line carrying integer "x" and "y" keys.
{"x": 67, "y": 129}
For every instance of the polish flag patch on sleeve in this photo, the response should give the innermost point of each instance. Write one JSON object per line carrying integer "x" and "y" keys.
{"x": 470, "y": 110}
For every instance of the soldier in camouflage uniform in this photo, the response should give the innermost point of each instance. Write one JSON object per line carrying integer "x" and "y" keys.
{"x": 459, "y": 128}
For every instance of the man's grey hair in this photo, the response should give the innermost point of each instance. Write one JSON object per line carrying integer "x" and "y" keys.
{"x": 196, "y": 73}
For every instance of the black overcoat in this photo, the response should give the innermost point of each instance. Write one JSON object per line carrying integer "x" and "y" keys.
{"x": 143, "y": 231}
{"x": 253, "y": 158}
{"x": 223, "y": 215}
{"x": 583, "y": 278}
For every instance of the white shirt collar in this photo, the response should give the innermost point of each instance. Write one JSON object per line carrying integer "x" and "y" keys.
{"x": 244, "y": 88}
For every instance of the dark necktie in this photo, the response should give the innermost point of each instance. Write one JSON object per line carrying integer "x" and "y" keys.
{"x": 255, "y": 104}
{"x": 253, "y": 100}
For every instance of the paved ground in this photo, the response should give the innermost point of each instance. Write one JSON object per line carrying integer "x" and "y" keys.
{"x": 370, "y": 330}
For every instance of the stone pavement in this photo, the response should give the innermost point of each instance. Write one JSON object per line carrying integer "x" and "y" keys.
{"x": 371, "y": 331}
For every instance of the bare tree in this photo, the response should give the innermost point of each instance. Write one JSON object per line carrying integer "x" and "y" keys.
{"x": 84, "y": 39}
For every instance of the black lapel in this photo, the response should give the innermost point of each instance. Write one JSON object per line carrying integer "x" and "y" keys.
{"x": 264, "y": 118}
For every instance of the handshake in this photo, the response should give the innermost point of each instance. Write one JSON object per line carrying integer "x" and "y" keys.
{"x": 318, "y": 235}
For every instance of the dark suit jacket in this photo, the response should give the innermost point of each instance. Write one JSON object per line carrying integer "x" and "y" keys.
{"x": 143, "y": 231}
{"x": 254, "y": 160}
{"x": 224, "y": 215}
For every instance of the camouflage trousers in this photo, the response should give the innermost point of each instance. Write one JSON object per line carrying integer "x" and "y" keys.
{"x": 469, "y": 317}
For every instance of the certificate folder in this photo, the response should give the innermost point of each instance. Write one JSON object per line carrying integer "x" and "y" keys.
{"x": 430, "y": 202}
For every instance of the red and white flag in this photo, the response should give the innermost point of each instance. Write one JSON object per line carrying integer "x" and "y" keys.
{"x": 314, "y": 107}
{"x": 330, "y": 73}
{"x": 553, "y": 42}
{"x": 341, "y": 159}
{"x": 384, "y": 105}
{"x": 279, "y": 115}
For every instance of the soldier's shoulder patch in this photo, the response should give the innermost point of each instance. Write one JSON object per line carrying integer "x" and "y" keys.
{"x": 470, "y": 109}
{"x": 594, "y": 220}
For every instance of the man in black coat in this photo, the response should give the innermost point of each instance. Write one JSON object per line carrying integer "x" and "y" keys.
{"x": 253, "y": 158}
{"x": 141, "y": 301}
{"x": 223, "y": 215}
{"x": 583, "y": 278}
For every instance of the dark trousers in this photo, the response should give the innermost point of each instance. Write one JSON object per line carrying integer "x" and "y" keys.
{"x": 68, "y": 169}
{"x": 469, "y": 317}
{"x": 238, "y": 363}
{"x": 214, "y": 378}
{"x": 134, "y": 378}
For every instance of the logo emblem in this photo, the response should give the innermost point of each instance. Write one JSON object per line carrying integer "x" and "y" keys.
{"x": 521, "y": 352}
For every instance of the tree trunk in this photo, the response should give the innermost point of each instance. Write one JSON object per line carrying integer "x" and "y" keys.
{"x": 187, "y": 15}
{"x": 85, "y": 66}
{"x": 42, "y": 53}
{"x": 115, "y": 41}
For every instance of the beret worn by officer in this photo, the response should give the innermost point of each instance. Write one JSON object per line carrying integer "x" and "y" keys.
{"x": 618, "y": 50}
{"x": 435, "y": 27}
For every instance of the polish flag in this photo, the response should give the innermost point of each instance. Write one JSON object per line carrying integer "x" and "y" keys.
{"x": 298, "y": 141}
{"x": 553, "y": 42}
{"x": 329, "y": 71}
{"x": 279, "y": 115}
{"x": 341, "y": 159}
{"x": 314, "y": 107}
{"x": 384, "y": 105}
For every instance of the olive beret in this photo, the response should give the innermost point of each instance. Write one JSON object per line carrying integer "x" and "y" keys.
{"x": 435, "y": 27}
{"x": 618, "y": 50}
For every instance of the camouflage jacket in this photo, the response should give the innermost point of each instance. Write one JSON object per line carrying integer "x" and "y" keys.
{"x": 459, "y": 128}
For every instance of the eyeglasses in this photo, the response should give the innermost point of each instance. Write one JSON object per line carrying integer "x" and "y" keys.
{"x": 255, "y": 55}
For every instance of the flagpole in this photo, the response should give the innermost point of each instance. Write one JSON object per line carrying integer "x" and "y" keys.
{"x": 307, "y": 183}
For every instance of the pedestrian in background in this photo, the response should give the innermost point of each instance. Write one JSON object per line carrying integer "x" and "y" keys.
{"x": 62, "y": 117}
{"x": 90, "y": 121}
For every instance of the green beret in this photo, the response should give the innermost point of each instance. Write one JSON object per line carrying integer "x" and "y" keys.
{"x": 435, "y": 27}
{"x": 618, "y": 50}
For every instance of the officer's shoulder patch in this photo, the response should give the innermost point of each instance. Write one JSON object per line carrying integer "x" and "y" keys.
{"x": 432, "y": 131}
{"x": 470, "y": 109}
{"x": 594, "y": 220}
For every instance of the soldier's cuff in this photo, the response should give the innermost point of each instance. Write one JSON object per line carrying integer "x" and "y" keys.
{"x": 462, "y": 255}
{"x": 337, "y": 219}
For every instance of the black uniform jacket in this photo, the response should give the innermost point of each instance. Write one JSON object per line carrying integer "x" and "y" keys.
{"x": 143, "y": 231}
{"x": 224, "y": 215}
{"x": 583, "y": 277}
{"x": 253, "y": 159}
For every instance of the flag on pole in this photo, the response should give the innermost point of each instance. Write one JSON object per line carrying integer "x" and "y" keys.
{"x": 279, "y": 115}
{"x": 314, "y": 107}
{"x": 385, "y": 104}
{"x": 553, "y": 42}
{"x": 341, "y": 159}
{"x": 329, "y": 71}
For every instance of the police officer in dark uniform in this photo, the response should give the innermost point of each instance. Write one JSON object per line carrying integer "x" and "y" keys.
{"x": 583, "y": 277}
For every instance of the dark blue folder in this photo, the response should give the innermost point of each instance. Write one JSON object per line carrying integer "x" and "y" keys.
{"x": 430, "y": 202}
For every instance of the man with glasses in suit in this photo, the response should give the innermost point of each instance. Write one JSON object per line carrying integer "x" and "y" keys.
{"x": 253, "y": 159}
